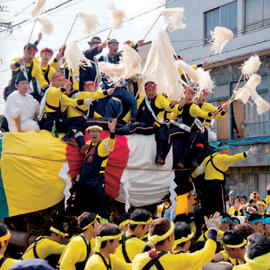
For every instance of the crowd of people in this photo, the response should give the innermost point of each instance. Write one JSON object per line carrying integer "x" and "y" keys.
{"x": 46, "y": 95}
{"x": 237, "y": 239}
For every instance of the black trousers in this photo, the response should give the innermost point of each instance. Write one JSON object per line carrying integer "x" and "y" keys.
{"x": 92, "y": 198}
{"x": 213, "y": 197}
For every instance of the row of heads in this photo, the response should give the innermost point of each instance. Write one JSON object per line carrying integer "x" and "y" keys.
{"x": 94, "y": 41}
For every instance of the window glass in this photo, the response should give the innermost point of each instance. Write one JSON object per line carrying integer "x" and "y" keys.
{"x": 253, "y": 10}
{"x": 266, "y": 11}
{"x": 222, "y": 16}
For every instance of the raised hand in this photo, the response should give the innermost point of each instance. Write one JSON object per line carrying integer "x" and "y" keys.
{"x": 112, "y": 125}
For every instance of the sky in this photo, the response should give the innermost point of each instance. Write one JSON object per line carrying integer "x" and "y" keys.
{"x": 15, "y": 11}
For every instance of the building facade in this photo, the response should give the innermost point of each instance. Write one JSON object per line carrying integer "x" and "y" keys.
{"x": 250, "y": 22}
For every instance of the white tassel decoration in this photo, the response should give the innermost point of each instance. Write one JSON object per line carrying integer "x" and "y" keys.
{"x": 262, "y": 105}
{"x": 46, "y": 25}
{"x": 245, "y": 92}
{"x": 186, "y": 68}
{"x": 111, "y": 69}
{"x": 90, "y": 21}
{"x": 253, "y": 82}
{"x": 205, "y": 82}
{"x": 74, "y": 58}
{"x": 36, "y": 8}
{"x": 132, "y": 61}
{"x": 118, "y": 16}
{"x": 174, "y": 18}
{"x": 251, "y": 66}
{"x": 129, "y": 65}
{"x": 242, "y": 94}
{"x": 221, "y": 36}
{"x": 160, "y": 67}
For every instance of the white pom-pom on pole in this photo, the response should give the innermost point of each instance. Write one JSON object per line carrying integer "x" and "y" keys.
{"x": 244, "y": 93}
{"x": 46, "y": 25}
{"x": 118, "y": 16}
{"x": 220, "y": 37}
{"x": 90, "y": 21}
{"x": 128, "y": 66}
{"x": 174, "y": 18}
{"x": 36, "y": 9}
{"x": 261, "y": 104}
{"x": 186, "y": 68}
{"x": 251, "y": 66}
{"x": 74, "y": 58}
{"x": 205, "y": 82}
{"x": 34, "y": 12}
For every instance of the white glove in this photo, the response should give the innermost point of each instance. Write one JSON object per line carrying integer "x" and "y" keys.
{"x": 88, "y": 101}
{"x": 214, "y": 222}
{"x": 253, "y": 150}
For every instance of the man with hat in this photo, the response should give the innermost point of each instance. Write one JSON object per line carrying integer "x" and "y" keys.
{"x": 128, "y": 111}
{"x": 90, "y": 73}
{"x": 28, "y": 64}
{"x": 214, "y": 166}
{"x": 82, "y": 245}
{"x": 21, "y": 108}
{"x": 90, "y": 191}
{"x": 113, "y": 56}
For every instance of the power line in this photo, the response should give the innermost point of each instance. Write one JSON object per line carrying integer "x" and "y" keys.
{"x": 46, "y": 11}
{"x": 231, "y": 50}
{"x": 130, "y": 19}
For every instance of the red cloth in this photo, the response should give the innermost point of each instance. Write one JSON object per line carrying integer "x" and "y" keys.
{"x": 117, "y": 162}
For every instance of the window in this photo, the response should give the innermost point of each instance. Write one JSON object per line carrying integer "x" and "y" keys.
{"x": 222, "y": 16}
{"x": 257, "y": 13}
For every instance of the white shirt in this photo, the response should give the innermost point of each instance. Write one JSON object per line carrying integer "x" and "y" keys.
{"x": 24, "y": 106}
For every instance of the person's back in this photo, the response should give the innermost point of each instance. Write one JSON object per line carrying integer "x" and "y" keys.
{"x": 131, "y": 243}
{"x": 81, "y": 246}
{"x": 42, "y": 247}
{"x": 161, "y": 235}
